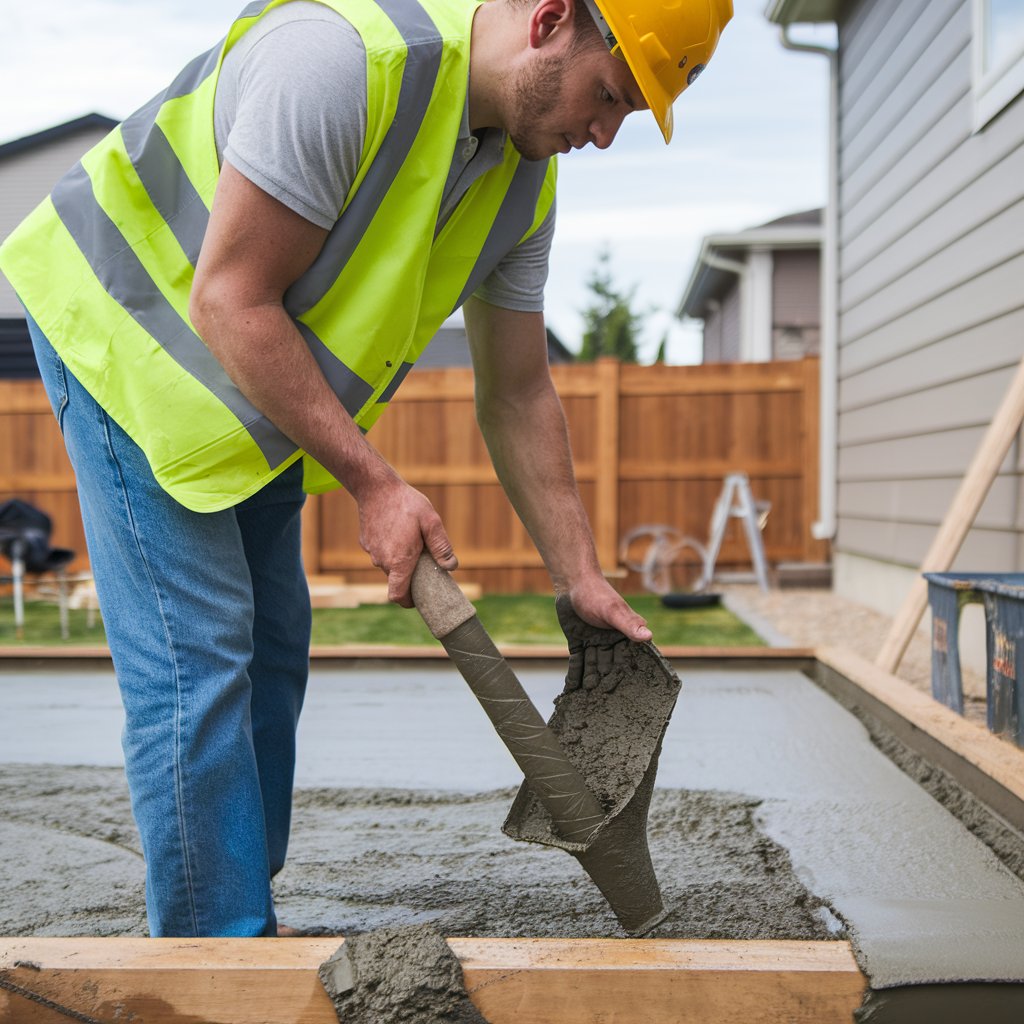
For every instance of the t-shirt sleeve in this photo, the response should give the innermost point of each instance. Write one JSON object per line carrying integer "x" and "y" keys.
{"x": 299, "y": 113}
{"x": 518, "y": 280}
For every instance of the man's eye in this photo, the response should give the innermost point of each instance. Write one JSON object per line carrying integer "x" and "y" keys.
{"x": 606, "y": 96}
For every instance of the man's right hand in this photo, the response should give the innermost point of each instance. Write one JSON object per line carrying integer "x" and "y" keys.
{"x": 396, "y": 523}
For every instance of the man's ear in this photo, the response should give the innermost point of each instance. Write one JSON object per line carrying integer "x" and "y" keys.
{"x": 548, "y": 19}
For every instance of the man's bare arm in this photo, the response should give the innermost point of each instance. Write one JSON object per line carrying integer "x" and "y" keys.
{"x": 254, "y": 249}
{"x": 523, "y": 424}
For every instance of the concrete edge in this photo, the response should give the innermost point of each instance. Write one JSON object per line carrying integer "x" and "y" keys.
{"x": 425, "y": 652}
{"x": 986, "y": 766}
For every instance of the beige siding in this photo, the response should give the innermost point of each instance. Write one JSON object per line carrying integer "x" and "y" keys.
{"x": 796, "y": 303}
{"x": 731, "y": 325}
{"x": 25, "y": 179}
{"x": 931, "y": 294}
{"x": 722, "y": 330}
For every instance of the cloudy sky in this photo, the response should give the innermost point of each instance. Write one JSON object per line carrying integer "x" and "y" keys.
{"x": 749, "y": 141}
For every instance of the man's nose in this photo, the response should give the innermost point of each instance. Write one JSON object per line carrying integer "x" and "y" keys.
{"x": 604, "y": 129}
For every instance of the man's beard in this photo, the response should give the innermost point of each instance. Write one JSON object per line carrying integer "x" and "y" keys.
{"x": 534, "y": 94}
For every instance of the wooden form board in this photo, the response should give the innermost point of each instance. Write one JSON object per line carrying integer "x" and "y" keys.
{"x": 432, "y": 652}
{"x": 511, "y": 981}
{"x": 989, "y": 767}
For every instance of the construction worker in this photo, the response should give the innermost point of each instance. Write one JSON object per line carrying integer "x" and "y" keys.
{"x": 215, "y": 338}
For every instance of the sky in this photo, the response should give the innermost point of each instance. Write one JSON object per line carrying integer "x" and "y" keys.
{"x": 749, "y": 145}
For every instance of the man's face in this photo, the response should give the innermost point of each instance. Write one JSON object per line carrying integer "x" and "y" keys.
{"x": 562, "y": 101}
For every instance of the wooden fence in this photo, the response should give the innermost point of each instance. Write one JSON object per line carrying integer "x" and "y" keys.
{"x": 651, "y": 445}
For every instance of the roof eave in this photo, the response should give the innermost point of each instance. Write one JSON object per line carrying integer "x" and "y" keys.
{"x": 791, "y": 12}
{"x": 703, "y": 277}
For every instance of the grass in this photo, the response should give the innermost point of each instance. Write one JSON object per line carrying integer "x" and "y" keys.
{"x": 509, "y": 618}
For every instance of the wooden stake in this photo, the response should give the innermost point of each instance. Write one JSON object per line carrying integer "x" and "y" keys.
{"x": 525, "y": 981}
{"x": 969, "y": 498}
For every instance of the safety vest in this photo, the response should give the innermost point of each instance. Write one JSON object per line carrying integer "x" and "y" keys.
{"x": 105, "y": 264}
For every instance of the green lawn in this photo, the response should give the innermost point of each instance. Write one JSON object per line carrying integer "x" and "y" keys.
{"x": 509, "y": 618}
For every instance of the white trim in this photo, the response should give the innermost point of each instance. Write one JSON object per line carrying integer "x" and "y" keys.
{"x": 992, "y": 89}
{"x": 760, "y": 265}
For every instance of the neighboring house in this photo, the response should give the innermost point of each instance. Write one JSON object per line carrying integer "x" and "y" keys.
{"x": 925, "y": 324}
{"x": 30, "y": 167}
{"x": 450, "y": 347}
{"x": 759, "y": 291}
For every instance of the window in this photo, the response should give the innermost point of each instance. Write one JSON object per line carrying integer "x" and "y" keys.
{"x": 998, "y": 59}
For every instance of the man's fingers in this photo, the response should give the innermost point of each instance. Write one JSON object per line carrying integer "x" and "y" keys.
{"x": 440, "y": 547}
{"x": 399, "y": 582}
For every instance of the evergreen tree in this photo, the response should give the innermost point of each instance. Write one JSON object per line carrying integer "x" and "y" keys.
{"x": 612, "y": 328}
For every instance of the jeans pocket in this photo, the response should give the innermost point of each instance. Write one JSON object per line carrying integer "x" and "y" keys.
{"x": 59, "y": 398}
{"x": 51, "y": 370}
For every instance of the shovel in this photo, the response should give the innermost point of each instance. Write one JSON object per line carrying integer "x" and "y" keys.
{"x": 589, "y": 772}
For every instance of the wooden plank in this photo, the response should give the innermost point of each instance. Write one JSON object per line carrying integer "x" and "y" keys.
{"x": 814, "y": 550}
{"x": 448, "y": 474}
{"x": 525, "y": 981}
{"x": 709, "y": 469}
{"x": 21, "y": 396}
{"x": 605, "y": 523}
{"x": 983, "y": 469}
{"x": 36, "y": 481}
{"x": 59, "y": 656}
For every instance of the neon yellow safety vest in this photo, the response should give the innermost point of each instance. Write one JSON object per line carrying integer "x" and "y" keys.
{"x": 105, "y": 264}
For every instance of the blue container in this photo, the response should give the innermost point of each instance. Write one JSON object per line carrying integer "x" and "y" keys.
{"x": 1004, "y": 616}
{"x": 947, "y": 594}
{"x": 1003, "y": 597}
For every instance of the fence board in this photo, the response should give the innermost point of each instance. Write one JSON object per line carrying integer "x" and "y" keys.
{"x": 651, "y": 445}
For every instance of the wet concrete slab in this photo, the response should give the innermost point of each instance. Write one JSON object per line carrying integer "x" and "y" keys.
{"x": 925, "y": 900}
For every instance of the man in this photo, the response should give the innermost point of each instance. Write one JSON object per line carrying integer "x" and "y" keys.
{"x": 216, "y": 337}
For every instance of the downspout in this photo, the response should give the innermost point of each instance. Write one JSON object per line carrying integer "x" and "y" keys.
{"x": 742, "y": 271}
{"x": 825, "y": 527}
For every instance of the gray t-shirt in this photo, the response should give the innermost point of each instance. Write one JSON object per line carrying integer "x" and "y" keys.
{"x": 290, "y": 115}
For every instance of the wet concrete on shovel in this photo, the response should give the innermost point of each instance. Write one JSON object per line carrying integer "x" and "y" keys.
{"x": 777, "y": 818}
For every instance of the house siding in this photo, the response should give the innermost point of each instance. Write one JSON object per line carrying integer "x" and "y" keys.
{"x": 26, "y": 178}
{"x": 931, "y": 304}
{"x": 730, "y": 344}
{"x": 796, "y": 303}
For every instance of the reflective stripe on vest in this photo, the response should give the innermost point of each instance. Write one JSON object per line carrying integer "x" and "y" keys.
{"x": 136, "y": 208}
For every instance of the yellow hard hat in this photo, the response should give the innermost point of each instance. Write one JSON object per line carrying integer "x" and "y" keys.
{"x": 666, "y": 44}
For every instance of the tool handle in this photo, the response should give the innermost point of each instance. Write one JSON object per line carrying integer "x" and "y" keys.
{"x": 575, "y": 812}
{"x": 438, "y": 598}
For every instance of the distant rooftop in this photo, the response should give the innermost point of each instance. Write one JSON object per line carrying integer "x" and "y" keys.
{"x": 803, "y": 217}
{"x": 59, "y": 131}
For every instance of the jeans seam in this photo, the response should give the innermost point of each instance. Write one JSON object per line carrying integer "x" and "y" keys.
{"x": 59, "y": 368}
{"x": 178, "y": 796}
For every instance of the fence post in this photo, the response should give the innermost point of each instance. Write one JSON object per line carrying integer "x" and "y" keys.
{"x": 606, "y": 499}
{"x": 810, "y": 457}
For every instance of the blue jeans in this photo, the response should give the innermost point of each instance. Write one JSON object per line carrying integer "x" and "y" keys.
{"x": 208, "y": 620}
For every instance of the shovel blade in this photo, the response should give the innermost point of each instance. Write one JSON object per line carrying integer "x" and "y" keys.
{"x": 612, "y": 735}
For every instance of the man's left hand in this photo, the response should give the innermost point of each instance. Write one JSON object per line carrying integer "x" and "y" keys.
{"x": 597, "y": 602}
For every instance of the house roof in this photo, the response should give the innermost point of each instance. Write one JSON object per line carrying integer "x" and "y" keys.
{"x": 800, "y": 230}
{"x": 58, "y": 131}
{"x": 789, "y": 12}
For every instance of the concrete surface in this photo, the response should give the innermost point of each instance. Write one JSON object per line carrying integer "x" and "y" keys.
{"x": 924, "y": 899}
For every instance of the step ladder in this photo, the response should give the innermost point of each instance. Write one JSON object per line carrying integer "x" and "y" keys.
{"x": 736, "y": 502}
{"x": 667, "y": 543}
